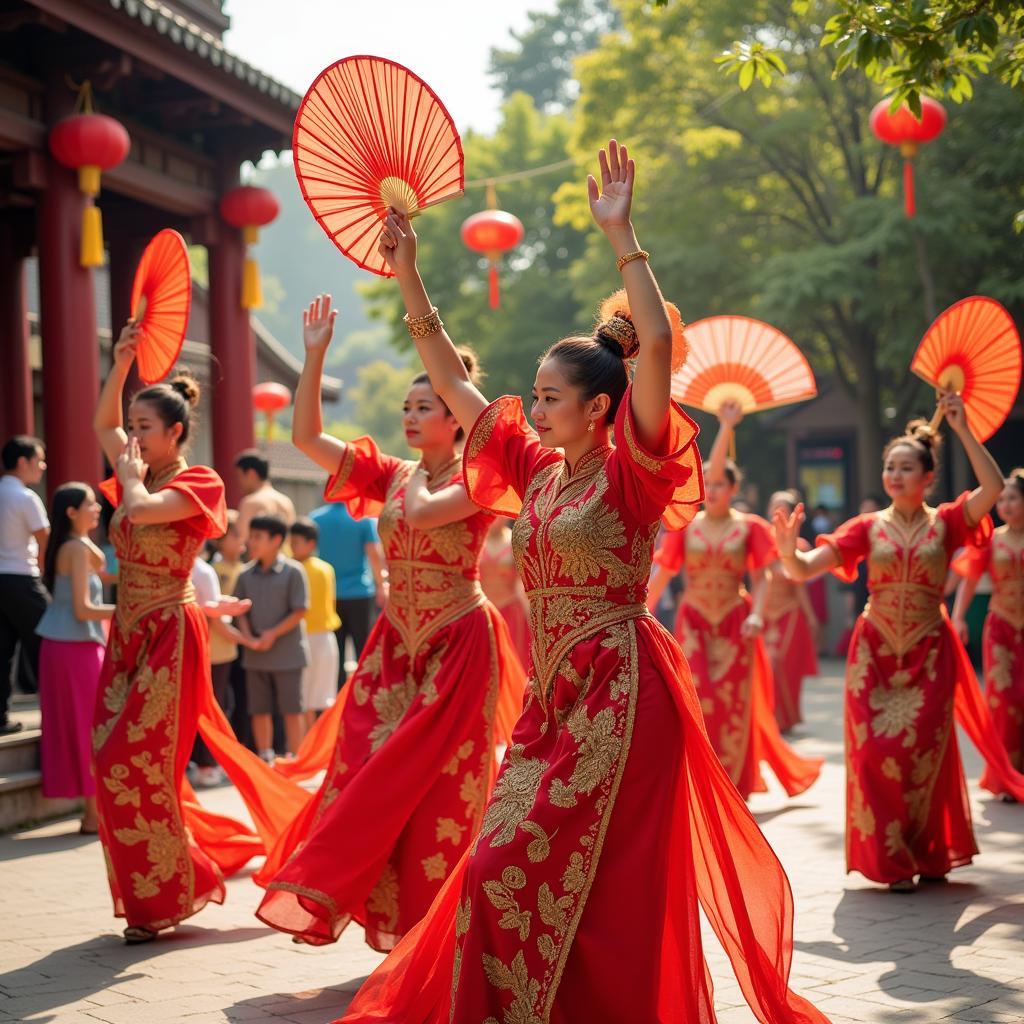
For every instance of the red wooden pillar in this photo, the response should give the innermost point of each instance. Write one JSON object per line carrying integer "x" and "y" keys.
{"x": 17, "y": 415}
{"x": 68, "y": 322}
{"x": 233, "y": 369}
{"x": 125, "y": 253}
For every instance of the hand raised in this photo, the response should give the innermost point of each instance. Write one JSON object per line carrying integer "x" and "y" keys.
{"x": 611, "y": 202}
{"x": 952, "y": 407}
{"x": 130, "y": 466}
{"x": 318, "y": 324}
{"x": 127, "y": 344}
{"x": 730, "y": 413}
{"x": 398, "y": 243}
{"x": 787, "y": 529}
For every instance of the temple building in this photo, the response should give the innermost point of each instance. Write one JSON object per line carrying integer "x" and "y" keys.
{"x": 194, "y": 114}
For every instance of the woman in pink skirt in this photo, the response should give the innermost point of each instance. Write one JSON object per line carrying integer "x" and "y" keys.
{"x": 72, "y": 648}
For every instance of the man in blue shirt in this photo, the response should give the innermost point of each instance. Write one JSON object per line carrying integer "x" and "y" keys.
{"x": 354, "y": 551}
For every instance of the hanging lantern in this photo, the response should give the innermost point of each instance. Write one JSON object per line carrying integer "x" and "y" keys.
{"x": 89, "y": 143}
{"x": 270, "y": 398}
{"x": 492, "y": 232}
{"x": 908, "y": 132}
{"x": 249, "y": 208}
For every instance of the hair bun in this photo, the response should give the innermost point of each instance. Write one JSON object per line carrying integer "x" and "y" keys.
{"x": 186, "y": 385}
{"x": 616, "y": 308}
{"x": 922, "y": 432}
{"x": 471, "y": 362}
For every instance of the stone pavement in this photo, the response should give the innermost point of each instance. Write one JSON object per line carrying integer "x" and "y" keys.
{"x": 951, "y": 952}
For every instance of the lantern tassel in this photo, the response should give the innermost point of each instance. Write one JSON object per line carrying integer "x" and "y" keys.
{"x": 909, "y": 203}
{"x": 90, "y": 253}
{"x": 495, "y": 294}
{"x": 252, "y": 290}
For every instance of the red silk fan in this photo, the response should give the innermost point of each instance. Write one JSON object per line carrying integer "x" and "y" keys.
{"x": 161, "y": 299}
{"x": 973, "y": 348}
{"x": 370, "y": 134}
{"x": 737, "y": 357}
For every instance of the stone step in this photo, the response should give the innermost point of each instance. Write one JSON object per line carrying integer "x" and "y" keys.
{"x": 22, "y": 801}
{"x": 19, "y": 751}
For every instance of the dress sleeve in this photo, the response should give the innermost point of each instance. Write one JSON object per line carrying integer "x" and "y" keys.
{"x": 362, "y": 478}
{"x": 199, "y": 483}
{"x": 761, "y": 550}
{"x": 667, "y": 484}
{"x": 501, "y": 456}
{"x": 671, "y": 552}
{"x": 971, "y": 562}
{"x": 960, "y": 531}
{"x": 851, "y": 542}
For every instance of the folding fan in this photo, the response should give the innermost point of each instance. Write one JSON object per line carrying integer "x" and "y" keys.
{"x": 973, "y": 348}
{"x": 736, "y": 357}
{"x": 161, "y": 299}
{"x": 370, "y": 134}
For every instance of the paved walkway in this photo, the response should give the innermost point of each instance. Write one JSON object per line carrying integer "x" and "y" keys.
{"x": 951, "y": 952}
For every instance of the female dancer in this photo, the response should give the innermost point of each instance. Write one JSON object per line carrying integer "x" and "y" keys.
{"x": 789, "y": 635}
{"x": 414, "y": 759}
{"x": 1003, "y": 637}
{"x": 166, "y": 857}
{"x": 906, "y": 801}
{"x": 719, "y": 625}
{"x": 504, "y": 588}
{"x": 612, "y": 816}
{"x": 71, "y": 653}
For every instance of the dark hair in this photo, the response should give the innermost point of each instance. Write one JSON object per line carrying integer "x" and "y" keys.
{"x": 1016, "y": 479}
{"x": 306, "y": 528}
{"x": 923, "y": 440}
{"x": 254, "y": 459}
{"x": 472, "y": 365}
{"x": 173, "y": 401}
{"x": 733, "y": 473}
{"x": 21, "y": 446}
{"x": 274, "y": 525}
{"x": 67, "y": 496}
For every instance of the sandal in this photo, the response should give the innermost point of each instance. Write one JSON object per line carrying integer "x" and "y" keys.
{"x": 903, "y": 885}
{"x": 135, "y": 935}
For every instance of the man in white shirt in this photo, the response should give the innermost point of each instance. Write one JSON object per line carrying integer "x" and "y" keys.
{"x": 24, "y": 531}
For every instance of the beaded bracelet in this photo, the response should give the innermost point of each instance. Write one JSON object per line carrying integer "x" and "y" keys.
{"x": 640, "y": 254}
{"x": 423, "y": 326}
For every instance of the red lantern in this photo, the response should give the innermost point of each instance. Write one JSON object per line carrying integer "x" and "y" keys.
{"x": 492, "y": 232}
{"x": 249, "y": 208}
{"x": 270, "y": 398}
{"x": 908, "y": 132}
{"x": 90, "y": 143}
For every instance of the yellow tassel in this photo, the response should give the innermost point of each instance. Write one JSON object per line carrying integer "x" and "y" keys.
{"x": 252, "y": 291}
{"x": 89, "y": 179}
{"x": 91, "y": 249}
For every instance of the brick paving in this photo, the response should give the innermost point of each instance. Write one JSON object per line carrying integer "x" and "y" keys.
{"x": 951, "y": 952}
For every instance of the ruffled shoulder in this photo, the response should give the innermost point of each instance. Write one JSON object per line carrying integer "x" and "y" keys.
{"x": 962, "y": 532}
{"x": 502, "y": 454}
{"x": 200, "y": 483}
{"x": 674, "y": 479}
{"x": 362, "y": 478}
{"x": 851, "y": 542}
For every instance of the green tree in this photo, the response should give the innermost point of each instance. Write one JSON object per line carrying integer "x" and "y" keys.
{"x": 779, "y": 203}
{"x": 540, "y": 62}
{"x": 377, "y": 397}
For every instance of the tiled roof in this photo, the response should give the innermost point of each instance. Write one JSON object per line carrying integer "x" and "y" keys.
{"x": 162, "y": 20}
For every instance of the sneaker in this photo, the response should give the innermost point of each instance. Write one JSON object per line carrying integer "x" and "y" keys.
{"x": 208, "y": 777}
{"x": 268, "y": 756}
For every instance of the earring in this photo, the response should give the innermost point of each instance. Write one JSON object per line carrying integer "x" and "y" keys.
{"x": 590, "y": 427}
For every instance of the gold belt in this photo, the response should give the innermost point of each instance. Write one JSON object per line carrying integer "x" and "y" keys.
{"x": 1007, "y": 602}
{"x": 903, "y": 612}
{"x": 143, "y": 588}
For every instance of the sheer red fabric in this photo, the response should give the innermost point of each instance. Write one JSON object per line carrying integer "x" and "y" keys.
{"x": 521, "y": 929}
{"x": 908, "y": 675}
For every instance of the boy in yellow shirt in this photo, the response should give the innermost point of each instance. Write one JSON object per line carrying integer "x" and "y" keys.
{"x": 320, "y": 677}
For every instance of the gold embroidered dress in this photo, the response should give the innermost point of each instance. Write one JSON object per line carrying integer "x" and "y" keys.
{"x": 611, "y": 816}
{"x": 414, "y": 759}
{"x": 906, "y": 800}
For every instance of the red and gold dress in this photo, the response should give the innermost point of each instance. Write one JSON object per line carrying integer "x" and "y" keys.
{"x": 165, "y": 857}
{"x": 789, "y": 640}
{"x": 414, "y": 761}
{"x": 732, "y": 674}
{"x": 500, "y": 580}
{"x": 906, "y": 800}
{"x": 1002, "y": 644}
{"x": 612, "y": 818}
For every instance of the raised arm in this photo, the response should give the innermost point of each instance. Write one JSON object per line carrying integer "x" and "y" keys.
{"x": 610, "y": 205}
{"x": 447, "y": 372}
{"x": 729, "y": 417}
{"x": 307, "y": 417}
{"x": 799, "y": 565}
{"x": 109, "y": 421}
{"x": 986, "y": 469}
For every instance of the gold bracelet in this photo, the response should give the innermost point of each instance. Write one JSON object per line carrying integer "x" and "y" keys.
{"x": 423, "y": 326}
{"x": 640, "y": 254}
